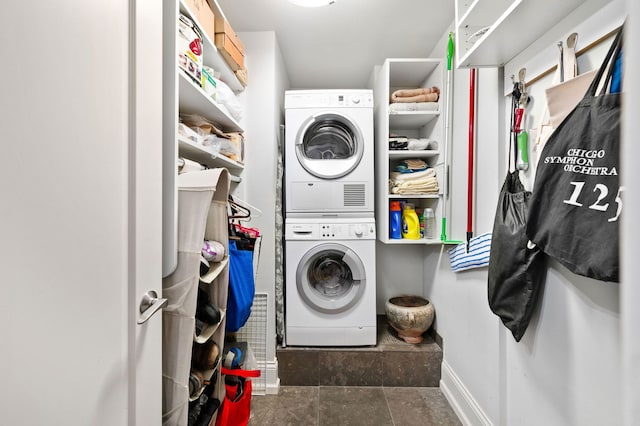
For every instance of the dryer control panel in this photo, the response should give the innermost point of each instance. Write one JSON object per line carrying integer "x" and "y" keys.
{"x": 328, "y": 99}
{"x": 330, "y": 231}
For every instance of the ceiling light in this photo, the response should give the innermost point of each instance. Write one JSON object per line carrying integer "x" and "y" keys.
{"x": 312, "y": 3}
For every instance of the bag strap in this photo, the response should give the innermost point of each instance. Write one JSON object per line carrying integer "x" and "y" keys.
{"x": 568, "y": 58}
{"x": 512, "y": 139}
{"x": 566, "y": 69}
{"x": 607, "y": 66}
{"x": 240, "y": 373}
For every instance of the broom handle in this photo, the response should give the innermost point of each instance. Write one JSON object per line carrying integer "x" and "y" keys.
{"x": 472, "y": 102}
{"x": 447, "y": 135}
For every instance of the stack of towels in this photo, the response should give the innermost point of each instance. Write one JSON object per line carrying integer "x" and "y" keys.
{"x": 413, "y": 177}
{"x": 420, "y": 99}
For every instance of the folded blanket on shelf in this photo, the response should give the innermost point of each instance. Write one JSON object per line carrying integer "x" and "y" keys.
{"x": 426, "y": 188}
{"x": 426, "y": 185}
{"x": 411, "y": 166}
{"x": 424, "y": 182}
{"x": 428, "y": 94}
{"x": 413, "y": 106}
{"x": 403, "y": 177}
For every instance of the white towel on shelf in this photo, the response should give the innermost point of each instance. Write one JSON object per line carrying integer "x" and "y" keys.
{"x": 422, "y": 186}
{"x": 424, "y": 182}
{"x": 401, "y": 177}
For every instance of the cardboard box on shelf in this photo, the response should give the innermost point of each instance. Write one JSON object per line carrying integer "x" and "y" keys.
{"x": 203, "y": 15}
{"x": 229, "y": 44}
{"x": 234, "y": 146}
{"x": 241, "y": 75}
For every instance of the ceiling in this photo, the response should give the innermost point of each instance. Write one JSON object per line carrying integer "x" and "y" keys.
{"x": 337, "y": 46}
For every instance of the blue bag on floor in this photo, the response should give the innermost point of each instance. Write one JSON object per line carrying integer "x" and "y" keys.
{"x": 241, "y": 287}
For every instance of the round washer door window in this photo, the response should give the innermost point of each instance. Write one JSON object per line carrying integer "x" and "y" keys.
{"x": 330, "y": 278}
{"x": 329, "y": 145}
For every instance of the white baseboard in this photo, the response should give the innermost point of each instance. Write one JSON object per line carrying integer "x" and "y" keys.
{"x": 273, "y": 381}
{"x": 460, "y": 399}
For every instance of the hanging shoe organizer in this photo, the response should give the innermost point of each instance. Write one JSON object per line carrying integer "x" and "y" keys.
{"x": 202, "y": 215}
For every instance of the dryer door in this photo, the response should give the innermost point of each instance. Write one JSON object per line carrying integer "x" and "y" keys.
{"x": 329, "y": 145}
{"x": 330, "y": 278}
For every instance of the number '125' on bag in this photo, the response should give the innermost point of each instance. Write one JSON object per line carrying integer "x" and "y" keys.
{"x": 575, "y": 207}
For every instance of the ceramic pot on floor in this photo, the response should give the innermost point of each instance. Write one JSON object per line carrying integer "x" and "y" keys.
{"x": 410, "y": 316}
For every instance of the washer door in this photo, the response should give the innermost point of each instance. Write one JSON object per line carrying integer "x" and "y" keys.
{"x": 329, "y": 145}
{"x": 330, "y": 278}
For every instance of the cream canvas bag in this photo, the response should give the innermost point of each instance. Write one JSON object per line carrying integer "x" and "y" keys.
{"x": 562, "y": 97}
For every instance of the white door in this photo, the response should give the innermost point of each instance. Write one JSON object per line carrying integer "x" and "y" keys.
{"x": 80, "y": 223}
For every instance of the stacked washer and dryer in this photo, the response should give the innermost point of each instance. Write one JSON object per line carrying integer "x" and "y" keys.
{"x": 330, "y": 297}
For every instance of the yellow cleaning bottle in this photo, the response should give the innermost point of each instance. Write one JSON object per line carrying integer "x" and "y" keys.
{"x": 410, "y": 223}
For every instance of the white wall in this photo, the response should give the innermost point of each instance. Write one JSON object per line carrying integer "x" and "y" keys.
{"x": 566, "y": 368}
{"x": 630, "y": 292}
{"x": 471, "y": 333}
{"x": 263, "y": 100}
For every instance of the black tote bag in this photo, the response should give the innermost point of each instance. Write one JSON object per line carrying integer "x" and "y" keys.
{"x": 516, "y": 268}
{"x": 576, "y": 201}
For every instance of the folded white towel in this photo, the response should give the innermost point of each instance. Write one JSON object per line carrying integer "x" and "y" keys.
{"x": 403, "y": 177}
{"x": 427, "y": 186}
{"x": 426, "y": 182}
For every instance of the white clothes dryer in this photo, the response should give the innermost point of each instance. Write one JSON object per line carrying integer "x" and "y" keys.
{"x": 330, "y": 297}
{"x": 329, "y": 153}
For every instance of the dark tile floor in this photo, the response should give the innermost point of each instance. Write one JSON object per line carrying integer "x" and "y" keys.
{"x": 390, "y": 384}
{"x": 347, "y": 406}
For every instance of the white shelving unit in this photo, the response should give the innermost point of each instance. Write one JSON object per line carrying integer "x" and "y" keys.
{"x": 181, "y": 94}
{"x": 409, "y": 73}
{"x": 210, "y": 53}
{"x": 491, "y": 32}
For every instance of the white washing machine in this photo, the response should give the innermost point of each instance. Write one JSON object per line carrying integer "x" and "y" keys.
{"x": 330, "y": 295}
{"x": 329, "y": 153}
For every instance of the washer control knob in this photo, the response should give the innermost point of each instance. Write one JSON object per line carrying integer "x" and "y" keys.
{"x": 358, "y": 230}
{"x": 355, "y": 100}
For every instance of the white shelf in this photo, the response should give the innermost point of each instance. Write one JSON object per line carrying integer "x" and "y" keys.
{"x": 512, "y": 26}
{"x": 202, "y": 155}
{"x": 479, "y": 15}
{"x": 411, "y": 119}
{"x": 413, "y": 196}
{"x": 193, "y": 100}
{"x": 211, "y": 56}
{"x": 421, "y": 241}
{"x": 399, "y": 154}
